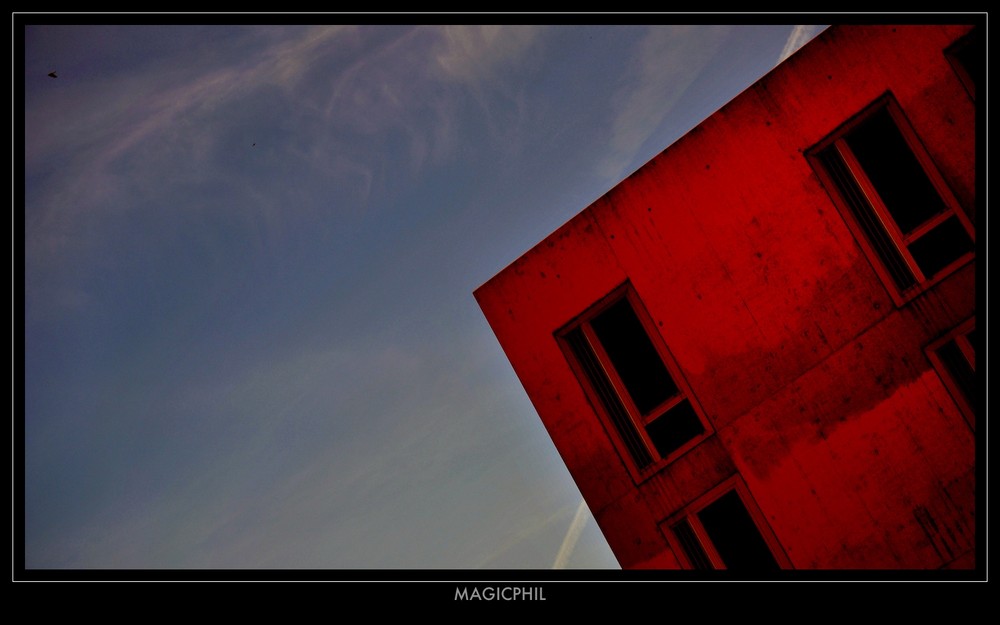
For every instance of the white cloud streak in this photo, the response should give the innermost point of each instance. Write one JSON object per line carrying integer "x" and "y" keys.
{"x": 572, "y": 535}
{"x": 799, "y": 37}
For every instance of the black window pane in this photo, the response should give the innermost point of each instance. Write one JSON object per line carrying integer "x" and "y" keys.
{"x": 866, "y": 218}
{"x": 960, "y": 370}
{"x": 894, "y": 171}
{"x": 633, "y": 356}
{"x": 971, "y": 53}
{"x": 942, "y": 245}
{"x": 735, "y": 535}
{"x": 609, "y": 398}
{"x": 674, "y": 428}
{"x": 692, "y": 548}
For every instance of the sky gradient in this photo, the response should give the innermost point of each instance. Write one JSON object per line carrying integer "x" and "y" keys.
{"x": 249, "y": 258}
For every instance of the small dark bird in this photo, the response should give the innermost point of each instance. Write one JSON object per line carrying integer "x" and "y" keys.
{"x": 254, "y": 145}
{"x": 52, "y": 75}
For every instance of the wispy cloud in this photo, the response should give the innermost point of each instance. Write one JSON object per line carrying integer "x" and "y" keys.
{"x": 342, "y": 118}
{"x": 669, "y": 59}
{"x": 572, "y": 535}
{"x": 136, "y": 137}
{"x": 799, "y": 37}
{"x": 491, "y": 63}
{"x": 477, "y": 54}
{"x": 390, "y": 88}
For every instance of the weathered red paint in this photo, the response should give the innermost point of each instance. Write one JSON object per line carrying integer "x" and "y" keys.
{"x": 816, "y": 383}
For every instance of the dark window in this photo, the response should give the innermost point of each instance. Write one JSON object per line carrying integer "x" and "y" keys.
{"x": 680, "y": 425}
{"x": 894, "y": 171}
{"x": 720, "y": 531}
{"x": 954, "y": 357}
{"x": 735, "y": 535}
{"x": 636, "y": 384}
{"x": 968, "y": 57}
{"x": 633, "y": 356}
{"x": 905, "y": 216}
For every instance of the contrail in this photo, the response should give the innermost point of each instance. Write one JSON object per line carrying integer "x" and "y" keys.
{"x": 801, "y": 34}
{"x": 572, "y": 535}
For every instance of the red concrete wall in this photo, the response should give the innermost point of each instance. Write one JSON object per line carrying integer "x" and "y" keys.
{"x": 816, "y": 383}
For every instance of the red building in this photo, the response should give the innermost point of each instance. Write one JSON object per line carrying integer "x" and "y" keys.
{"x": 758, "y": 350}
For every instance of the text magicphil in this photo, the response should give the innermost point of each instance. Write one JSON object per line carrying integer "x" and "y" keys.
{"x": 500, "y": 593}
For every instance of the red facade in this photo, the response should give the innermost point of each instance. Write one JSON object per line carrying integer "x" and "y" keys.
{"x": 758, "y": 350}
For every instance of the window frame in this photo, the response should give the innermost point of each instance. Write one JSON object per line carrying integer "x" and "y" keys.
{"x": 838, "y": 141}
{"x": 637, "y": 420}
{"x": 960, "y": 336}
{"x": 690, "y": 513}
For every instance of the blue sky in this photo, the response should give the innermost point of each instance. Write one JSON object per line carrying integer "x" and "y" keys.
{"x": 249, "y": 258}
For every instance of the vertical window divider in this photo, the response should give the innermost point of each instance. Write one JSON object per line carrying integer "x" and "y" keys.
{"x": 616, "y": 382}
{"x": 875, "y": 201}
{"x": 706, "y": 543}
{"x": 967, "y": 350}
